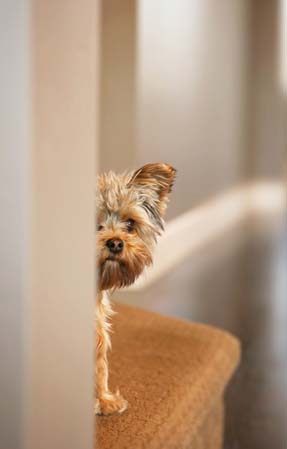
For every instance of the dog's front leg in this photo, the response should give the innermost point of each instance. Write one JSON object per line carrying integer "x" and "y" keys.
{"x": 106, "y": 402}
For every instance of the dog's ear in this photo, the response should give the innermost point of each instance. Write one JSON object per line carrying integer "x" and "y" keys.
{"x": 154, "y": 182}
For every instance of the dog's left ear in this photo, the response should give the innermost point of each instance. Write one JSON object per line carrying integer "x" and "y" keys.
{"x": 155, "y": 181}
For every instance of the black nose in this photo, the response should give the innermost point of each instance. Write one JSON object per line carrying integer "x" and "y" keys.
{"x": 115, "y": 245}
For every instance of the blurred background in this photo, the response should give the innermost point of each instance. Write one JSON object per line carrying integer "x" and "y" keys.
{"x": 202, "y": 86}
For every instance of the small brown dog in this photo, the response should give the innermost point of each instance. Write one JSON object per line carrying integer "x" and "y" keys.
{"x": 130, "y": 209}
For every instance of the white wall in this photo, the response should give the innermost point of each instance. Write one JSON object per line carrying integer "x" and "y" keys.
{"x": 192, "y": 69}
{"x": 47, "y": 247}
{"x": 60, "y": 308}
{"x": 196, "y": 84}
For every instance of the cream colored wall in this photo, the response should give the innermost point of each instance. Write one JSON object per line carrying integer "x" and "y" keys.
{"x": 47, "y": 262}
{"x": 203, "y": 83}
{"x": 117, "y": 99}
{"x": 182, "y": 98}
{"x": 192, "y": 68}
{"x": 60, "y": 308}
{"x": 268, "y": 123}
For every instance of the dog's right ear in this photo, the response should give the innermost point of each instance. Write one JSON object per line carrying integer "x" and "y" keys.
{"x": 154, "y": 182}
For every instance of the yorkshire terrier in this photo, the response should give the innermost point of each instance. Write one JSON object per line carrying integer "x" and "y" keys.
{"x": 130, "y": 210}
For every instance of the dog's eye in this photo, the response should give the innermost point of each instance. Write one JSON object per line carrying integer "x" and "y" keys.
{"x": 130, "y": 224}
{"x": 100, "y": 227}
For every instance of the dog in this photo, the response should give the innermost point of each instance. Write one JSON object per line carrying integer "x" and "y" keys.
{"x": 130, "y": 210}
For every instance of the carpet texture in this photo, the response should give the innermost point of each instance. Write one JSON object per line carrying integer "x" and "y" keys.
{"x": 173, "y": 373}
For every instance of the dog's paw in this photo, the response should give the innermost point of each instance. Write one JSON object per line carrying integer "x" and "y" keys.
{"x": 109, "y": 404}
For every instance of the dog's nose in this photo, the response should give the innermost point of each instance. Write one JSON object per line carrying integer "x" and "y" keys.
{"x": 115, "y": 245}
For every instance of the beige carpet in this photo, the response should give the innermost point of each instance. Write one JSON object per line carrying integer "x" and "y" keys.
{"x": 173, "y": 373}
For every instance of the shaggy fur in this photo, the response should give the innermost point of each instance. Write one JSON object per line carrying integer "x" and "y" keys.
{"x": 130, "y": 210}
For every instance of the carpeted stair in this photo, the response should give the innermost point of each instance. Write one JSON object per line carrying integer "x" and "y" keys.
{"x": 173, "y": 374}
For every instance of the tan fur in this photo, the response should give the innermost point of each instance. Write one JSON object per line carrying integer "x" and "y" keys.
{"x": 140, "y": 197}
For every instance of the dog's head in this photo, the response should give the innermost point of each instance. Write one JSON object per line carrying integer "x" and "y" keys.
{"x": 130, "y": 210}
